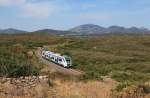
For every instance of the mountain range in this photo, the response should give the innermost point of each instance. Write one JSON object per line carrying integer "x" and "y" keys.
{"x": 11, "y": 31}
{"x": 86, "y": 29}
{"x": 96, "y": 29}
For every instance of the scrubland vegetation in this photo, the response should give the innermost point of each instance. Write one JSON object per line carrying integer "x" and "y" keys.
{"x": 14, "y": 62}
{"x": 126, "y": 59}
{"x": 15, "y": 59}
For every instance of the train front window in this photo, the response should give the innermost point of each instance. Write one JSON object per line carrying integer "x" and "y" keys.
{"x": 68, "y": 60}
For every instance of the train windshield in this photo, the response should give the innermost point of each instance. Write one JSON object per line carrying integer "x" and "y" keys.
{"x": 68, "y": 59}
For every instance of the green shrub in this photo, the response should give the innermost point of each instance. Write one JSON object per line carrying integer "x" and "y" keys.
{"x": 14, "y": 62}
{"x": 91, "y": 75}
{"x": 121, "y": 86}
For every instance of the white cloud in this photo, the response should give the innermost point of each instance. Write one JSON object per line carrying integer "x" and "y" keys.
{"x": 32, "y": 8}
{"x": 11, "y": 2}
{"x": 38, "y": 9}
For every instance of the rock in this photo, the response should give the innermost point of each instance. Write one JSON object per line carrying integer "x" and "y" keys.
{"x": 4, "y": 80}
{"x": 23, "y": 80}
{"x": 30, "y": 54}
{"x": 26, "y": 78}
{"x": 40, "y": 77}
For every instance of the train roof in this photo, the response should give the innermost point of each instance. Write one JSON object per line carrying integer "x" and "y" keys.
{"x": 52, "y": 53}
{"x": 56, "y": 54}
{"x": 66, "y": 56}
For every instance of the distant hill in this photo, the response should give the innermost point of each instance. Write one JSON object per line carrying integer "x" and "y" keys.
{"x": 11, "y": 31}
{"x": 86, "y": 29}
{"x": 96, "y": 29}
{"x": 51, "y": 31}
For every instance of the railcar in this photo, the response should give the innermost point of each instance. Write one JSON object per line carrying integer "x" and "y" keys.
{"x": 62, "y": 60}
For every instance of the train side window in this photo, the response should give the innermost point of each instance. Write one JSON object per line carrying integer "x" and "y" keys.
{"x": 52, "y": 57}
{"x": 60, "y": 60}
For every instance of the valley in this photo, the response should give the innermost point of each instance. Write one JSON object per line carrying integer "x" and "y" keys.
{"x": 112, "y": 64}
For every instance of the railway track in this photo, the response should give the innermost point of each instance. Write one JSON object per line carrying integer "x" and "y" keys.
{"x": 57, "y": 68}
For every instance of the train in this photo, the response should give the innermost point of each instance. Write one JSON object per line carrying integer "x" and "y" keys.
{"x": 63, "y": 60}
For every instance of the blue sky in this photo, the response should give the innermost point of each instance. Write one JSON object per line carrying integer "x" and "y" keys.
{"x": 64, "y": 14}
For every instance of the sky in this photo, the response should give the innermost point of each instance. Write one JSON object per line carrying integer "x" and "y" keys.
{"x": 33, "y": 15}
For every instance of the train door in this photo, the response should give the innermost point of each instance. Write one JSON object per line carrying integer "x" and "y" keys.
{"x": 56, "y": 59}
{"x": 60, "y": 60}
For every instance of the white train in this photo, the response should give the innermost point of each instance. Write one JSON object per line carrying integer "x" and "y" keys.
{"x": 64, "y": 60}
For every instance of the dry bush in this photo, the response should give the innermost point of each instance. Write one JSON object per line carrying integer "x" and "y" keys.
{"x": 11, "y": 90}
{"x": 27, "y": 90}
{"x": 134, "y": 91}
{"x": 89, "y": 89}
{"x": 131, "y": 92}
{"x": 41, "y": 91}
{"x": 61, "y": 89}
